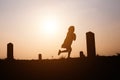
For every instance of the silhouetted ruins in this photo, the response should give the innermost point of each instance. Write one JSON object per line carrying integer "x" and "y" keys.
{"x": 10, "y": 55}
{"x": 90, "y": 41}
{"x": 81, "y": 68}
{"x": 40, "y": 56}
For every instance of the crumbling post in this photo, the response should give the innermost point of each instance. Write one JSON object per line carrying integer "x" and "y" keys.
{"x": 10, "y": 51}
{"x": 90, "y": 40}
{"x": 40, "y": 56}
{"x": 82, "y": 54}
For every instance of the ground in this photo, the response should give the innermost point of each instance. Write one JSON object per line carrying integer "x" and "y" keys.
{"x": 98, "y": 68}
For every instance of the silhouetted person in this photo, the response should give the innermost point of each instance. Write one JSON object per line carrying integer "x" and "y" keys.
{"x": 68, "y": 41}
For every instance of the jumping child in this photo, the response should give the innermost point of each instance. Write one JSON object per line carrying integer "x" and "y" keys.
{"x": 68, "y": 41}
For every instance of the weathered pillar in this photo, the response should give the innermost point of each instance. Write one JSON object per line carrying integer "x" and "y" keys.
{"x": 40, "y": 56}
{"x": 10, "y": 51}
{"x": 90, "y": 40}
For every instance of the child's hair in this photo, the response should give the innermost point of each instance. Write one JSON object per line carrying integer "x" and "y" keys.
{"x": 71, "y": 29}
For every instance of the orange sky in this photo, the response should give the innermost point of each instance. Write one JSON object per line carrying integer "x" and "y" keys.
{"x": 40, "y": 26}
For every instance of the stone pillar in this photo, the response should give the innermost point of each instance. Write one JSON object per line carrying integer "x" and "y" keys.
{"x": 10, "y": 51}
{"x": 40, "y": 56}
{"x": 90, "y": 40}
{"x": 82, "y": 54}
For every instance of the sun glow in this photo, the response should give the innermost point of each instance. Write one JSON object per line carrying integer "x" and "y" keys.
{"x": 49, "y": 26}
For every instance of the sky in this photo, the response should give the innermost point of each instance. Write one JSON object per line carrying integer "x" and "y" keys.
{"x": 40, "y": 26}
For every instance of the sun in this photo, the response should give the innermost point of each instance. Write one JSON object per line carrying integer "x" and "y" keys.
{"x": 49, "y": 26}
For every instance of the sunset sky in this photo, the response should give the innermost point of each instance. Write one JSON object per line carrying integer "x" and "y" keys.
{"x": 40, "y": 26}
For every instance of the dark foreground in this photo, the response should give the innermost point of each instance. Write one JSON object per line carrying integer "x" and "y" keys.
{"x": 99, "y": 68}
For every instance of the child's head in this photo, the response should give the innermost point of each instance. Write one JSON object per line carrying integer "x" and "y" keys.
{"x": 71, "y": 29}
